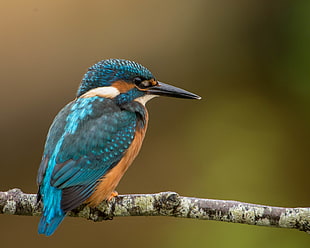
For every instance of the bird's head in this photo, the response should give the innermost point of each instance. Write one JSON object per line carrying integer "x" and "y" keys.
{"x": 126, "y": 81}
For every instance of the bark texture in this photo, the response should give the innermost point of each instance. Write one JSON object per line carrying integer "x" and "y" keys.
{"x": 15, "y": 202}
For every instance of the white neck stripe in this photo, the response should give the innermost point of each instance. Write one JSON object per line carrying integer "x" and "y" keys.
{"x": 144, "y": 99}
{"x": 106, "y": 92}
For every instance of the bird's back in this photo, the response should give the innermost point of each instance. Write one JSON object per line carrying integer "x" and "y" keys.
{"x": 87, "y": 139}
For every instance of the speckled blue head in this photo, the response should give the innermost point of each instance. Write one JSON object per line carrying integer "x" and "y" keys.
{"x": 108, "y": 71}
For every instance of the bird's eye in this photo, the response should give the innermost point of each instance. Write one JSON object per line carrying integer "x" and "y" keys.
{"x": 137, "y": 81}
{"x": 142, "y": 83}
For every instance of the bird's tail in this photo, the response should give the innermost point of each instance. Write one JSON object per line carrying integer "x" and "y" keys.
{"x": 48, "y": 227}
{"x": 52, "y": 213}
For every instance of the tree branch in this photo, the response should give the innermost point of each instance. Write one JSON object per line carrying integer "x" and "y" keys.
{"x": 15, "y": 202}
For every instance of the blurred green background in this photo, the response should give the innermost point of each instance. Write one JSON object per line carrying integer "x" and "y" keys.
{"x": 248, "y": 139}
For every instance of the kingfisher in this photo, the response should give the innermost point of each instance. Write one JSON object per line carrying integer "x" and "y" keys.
{"x": 95, "y": 138}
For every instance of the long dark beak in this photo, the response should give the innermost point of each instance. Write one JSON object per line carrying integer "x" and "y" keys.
{"x": 162, "y": 89}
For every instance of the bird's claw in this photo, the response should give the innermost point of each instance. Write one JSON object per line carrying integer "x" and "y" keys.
{"x": 113, "y": 194}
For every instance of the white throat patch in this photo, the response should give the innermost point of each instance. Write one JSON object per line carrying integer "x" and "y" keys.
{"x": 106, "y": 92}
{"x": 144, "y": 99}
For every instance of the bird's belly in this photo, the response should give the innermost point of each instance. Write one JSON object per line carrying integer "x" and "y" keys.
{"x": 109, "y": 181}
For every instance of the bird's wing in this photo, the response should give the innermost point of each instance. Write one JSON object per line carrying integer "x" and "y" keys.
{"x": 93, "y": 139}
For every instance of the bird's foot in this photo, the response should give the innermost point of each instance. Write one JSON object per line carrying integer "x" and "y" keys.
{"x": 113, "y": 194}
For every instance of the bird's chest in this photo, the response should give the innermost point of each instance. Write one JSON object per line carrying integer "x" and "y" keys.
{"x": 110, "y": 180}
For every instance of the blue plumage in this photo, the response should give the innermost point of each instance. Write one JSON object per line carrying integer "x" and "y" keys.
{"x": 48, "y": 226}
{"x": 90, "y": 144}
{"x": 93, "y": 134}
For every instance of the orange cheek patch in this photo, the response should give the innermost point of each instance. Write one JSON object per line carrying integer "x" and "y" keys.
{"x": 123, "y": 86}
{"x": 153, "y": 82}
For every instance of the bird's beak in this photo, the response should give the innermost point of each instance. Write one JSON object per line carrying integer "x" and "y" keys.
{"x": 162, "y": 89}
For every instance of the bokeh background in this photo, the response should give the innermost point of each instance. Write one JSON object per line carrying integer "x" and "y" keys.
{"x": 248, "y": 139}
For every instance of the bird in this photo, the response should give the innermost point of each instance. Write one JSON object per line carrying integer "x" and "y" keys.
{"x": 95, "y": 138}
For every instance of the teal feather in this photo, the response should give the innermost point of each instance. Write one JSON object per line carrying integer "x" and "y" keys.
{"x": 79, "y": 151}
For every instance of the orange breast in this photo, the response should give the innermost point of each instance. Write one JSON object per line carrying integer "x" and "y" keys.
{"x": 108, "y": 182}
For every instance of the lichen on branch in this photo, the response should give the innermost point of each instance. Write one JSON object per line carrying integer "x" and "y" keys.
{"x": 15, "y": 202}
